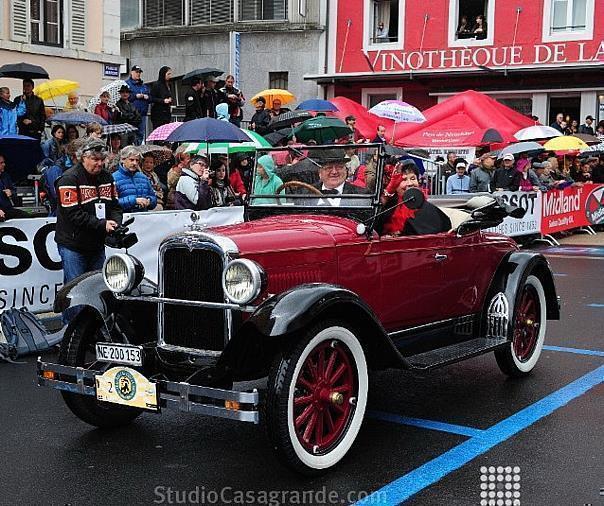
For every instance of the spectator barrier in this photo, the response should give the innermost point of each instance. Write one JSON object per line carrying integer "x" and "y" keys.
{"x": 30, "y": 267}
{"x": 530, "y": 224}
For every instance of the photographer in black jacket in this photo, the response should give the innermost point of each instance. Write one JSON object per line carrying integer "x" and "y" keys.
{"x": 88, "y": 210}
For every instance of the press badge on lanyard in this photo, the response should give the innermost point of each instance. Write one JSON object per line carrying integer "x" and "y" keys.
{"x": 99, "y": 207}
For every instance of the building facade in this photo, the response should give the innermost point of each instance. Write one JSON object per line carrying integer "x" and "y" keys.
{"x": 76, "y": 40}
{"x": 540, "y": 57}
{"x": 263, "y": 43}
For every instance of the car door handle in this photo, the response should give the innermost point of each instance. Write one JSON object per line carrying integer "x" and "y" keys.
{"x": 440, "y": 257}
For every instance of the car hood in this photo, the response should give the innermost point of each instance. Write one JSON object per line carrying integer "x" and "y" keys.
{"x": 291, "y": 232}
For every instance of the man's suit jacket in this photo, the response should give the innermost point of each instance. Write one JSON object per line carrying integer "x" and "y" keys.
{"x": 344, "y": 202}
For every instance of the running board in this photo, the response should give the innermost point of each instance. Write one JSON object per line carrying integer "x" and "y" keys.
{"x": 454, "y": 353}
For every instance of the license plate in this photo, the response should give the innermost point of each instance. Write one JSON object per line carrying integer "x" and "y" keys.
{"x": 119, "y": 353}
{"x": 122, "y": 385}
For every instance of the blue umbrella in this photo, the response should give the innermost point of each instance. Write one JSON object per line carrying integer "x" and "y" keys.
{"x": 315, "y": 104}
{"x": 21, "y": 154}
{"x": 207, "y": 130}
{"x": 77, "y": 118}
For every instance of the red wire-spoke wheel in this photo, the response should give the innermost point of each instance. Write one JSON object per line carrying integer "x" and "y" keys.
{"x": 527, "y": 323}
{"x": 528, "y": 330}
{"x": 316, "y": 399}
{"x": 324, "y": 396}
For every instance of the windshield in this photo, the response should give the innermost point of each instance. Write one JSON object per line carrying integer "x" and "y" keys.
{"x": 316, "y": 176}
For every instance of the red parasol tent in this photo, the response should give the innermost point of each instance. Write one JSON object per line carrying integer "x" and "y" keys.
{"x": 463, "y": 120}
{"x": 366, "y": 123}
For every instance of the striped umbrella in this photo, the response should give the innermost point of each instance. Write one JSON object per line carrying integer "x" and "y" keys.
{"x": 161, "y": 133}
{"x": 256, "y": 142}
{"x": 120, "y": 128}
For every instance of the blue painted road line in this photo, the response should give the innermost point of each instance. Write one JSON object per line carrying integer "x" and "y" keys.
{"x": 422, "y": 477}
{"x": 578, "y": 351}
{"x": 425, "y": 424}
{"x": 595, "y": 305}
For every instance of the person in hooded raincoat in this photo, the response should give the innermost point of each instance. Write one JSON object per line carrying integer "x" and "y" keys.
{"x": 266, "y": 181}
{"x": 161, "y": 98}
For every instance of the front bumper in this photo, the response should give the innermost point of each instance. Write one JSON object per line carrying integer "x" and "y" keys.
{"x": 173, "y": 396}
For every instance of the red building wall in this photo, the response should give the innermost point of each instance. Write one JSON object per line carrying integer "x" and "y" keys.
{"x": 529, "y": 49}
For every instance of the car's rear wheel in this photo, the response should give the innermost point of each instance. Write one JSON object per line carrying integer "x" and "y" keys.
{"x": 528, "y": 330}
{"x": 78, "y": 350}
{"x": 317, "y": 394}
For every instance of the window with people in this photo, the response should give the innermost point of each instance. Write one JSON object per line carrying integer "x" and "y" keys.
{"x": 472, "y": 19}
{"x": 385, "y": 16}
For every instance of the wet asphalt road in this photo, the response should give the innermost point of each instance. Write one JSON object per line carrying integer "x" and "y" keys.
{"x": 50, "y": 457}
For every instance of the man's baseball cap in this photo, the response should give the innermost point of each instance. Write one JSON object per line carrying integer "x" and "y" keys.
{"x": 508, "y": 156}
{"x": 136, "y": 68}
{"x": 461, "y": 163}
{"x": 92, "y": 147}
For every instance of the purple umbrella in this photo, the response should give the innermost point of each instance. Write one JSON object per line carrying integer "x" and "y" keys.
{"x": 161, "y": 133}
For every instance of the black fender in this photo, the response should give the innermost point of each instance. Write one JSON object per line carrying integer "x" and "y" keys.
{"x": 511, "y": 275}
{"x": 138, "y": 320}
{"x": 277, "y": 323}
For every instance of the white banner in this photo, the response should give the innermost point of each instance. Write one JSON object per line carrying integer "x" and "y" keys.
{"x": 531, "y": 223}
{"x": 31, "y": 272}
{"x": 467, "y": 153}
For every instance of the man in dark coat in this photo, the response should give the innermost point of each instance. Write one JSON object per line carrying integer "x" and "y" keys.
{"x": 194, "y": 101}
{"x": 380, "y": 137}
{"x": 587, "y": 127}
{"x": 261, "y": 118}
{"x": 7, "y": 192}
{"x": 506, "y": 178}
{"x": 32, "y": 124}
{"x": 127, "y": 112}
{"x": 212, "y": 97}
{"x": 161, "y": 98}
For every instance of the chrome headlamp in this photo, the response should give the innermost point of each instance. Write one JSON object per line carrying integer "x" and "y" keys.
{"x": 243, "y": 280}
{"x": 122, "y": 273}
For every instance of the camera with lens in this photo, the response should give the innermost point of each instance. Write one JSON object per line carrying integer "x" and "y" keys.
{"x": 121, "y": 237}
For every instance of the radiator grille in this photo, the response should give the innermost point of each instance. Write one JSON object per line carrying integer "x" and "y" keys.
{"x": 193, "y": 275}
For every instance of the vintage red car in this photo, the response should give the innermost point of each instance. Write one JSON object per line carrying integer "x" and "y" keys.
{"x": 308, "y": 293}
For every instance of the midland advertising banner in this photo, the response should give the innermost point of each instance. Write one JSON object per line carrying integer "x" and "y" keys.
{"x": 31, "y": 272}
{"x": 572, "y": 208}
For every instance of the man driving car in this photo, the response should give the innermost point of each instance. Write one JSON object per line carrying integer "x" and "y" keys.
{"x": 332, "y": 180}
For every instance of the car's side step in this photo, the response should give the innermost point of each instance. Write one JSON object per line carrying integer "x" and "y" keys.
{"x": 454, "y": 353}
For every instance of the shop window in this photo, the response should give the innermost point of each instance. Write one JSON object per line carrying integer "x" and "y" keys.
{"x": 373, "y": 96}
{"x": 278, "y": 80}
{"x": 568, "y": 20}
{"x": 383, "y": 23}
{"x": 471, "y": 22}
{"x": 46, "y": 22}
{"x": 523, "y": 105}
{"x": 210, "y": 12}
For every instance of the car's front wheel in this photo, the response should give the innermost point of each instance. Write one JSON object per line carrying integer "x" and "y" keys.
{"x": 317, "y": 394}
{"x": 528, "y": 331}
{"x": 78, "y": 350}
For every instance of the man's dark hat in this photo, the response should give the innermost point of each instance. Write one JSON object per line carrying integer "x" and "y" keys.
{"x": 137, "y": 68}
{"x": 325, "y": 156}
{"x": 124, "y": 88}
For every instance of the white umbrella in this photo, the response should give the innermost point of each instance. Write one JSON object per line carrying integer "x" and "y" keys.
{"x": 399, "y": 112}
{"x": 536, "y": 132}
{"x": 114, "y": 94}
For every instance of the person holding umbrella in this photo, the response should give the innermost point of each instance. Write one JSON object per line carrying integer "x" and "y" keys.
{"x": 139, "y": 96}
{"x": 32, "y": 123}
{"x": 161, "y": 98}
{"x": 9, "y": 112}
